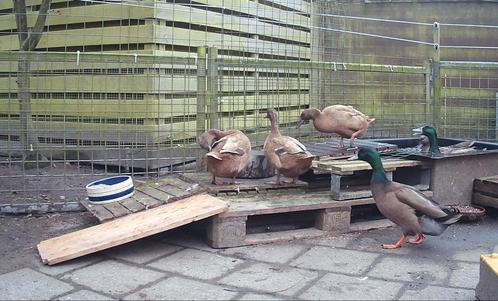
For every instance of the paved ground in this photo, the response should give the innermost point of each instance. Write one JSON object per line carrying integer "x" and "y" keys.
{"x": 179, "y": 265}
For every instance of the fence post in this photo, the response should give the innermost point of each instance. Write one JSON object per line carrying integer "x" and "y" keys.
{"x": 436, "y": 75}
{"x": 212, "y": 87}
{"x": 496, "y": 117}
{"x": 201, "y": 102}
{"x": 428, "y": 90}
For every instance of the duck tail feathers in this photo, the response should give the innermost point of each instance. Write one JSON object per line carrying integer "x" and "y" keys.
{"x": 452, "y": 216}
{"x": 213, "y": 155}
{"x": 436, "y": 226}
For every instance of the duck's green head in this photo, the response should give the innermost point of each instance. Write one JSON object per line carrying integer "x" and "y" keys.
{"x": 431, "y": 134}
{"x": 369, "y": 155}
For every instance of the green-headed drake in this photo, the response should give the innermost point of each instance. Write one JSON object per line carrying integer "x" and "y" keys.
{"x": 404, "y": 205}
{"x": 428, "y": 143}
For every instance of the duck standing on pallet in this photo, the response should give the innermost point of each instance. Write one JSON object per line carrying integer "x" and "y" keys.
{"x": 345, "y": 121}
{"x": 287, "y": 155}
{"x": 404, "y": 205}
{"x": 428, "y": 143}
{"x": 228, "y": 153}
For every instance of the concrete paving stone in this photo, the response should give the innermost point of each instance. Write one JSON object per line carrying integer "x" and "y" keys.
{"x": 274, "y": 253}
{"x": 410, "y": 269}
{"x": 438, "y": 293}
{"x": 84, "y": 295}
{"x": 270, "y": 278}
{"x": 176, "y": 288}
{"x": 70, "y": 265}
{"x": 341, "y": 287}
{"x": 196, "y": 263}
{"x": 473, "y": 255}
{"x": 112, "y": 277}
{"x": 465, "y": 275}
{"x": 142, "y": 251}
{"x": 255, "y": 297}
{"x": 187, "y": 241}
{"x": 27, "y": 284}
{"x": 333, "y": 241}
{"x": 335, "y": 260}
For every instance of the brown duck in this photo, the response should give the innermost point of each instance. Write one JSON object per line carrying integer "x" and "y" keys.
{"x": 287, "y": 155}
{"x": 404, "y": 205}
{"x": 228, "y": 153}
{"x": 345, "y": 121}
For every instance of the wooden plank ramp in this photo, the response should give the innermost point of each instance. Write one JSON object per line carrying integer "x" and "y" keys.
{"x": 129, "y": 228}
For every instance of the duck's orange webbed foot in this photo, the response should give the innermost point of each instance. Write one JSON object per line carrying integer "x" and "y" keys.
{"x": 417, "y": 241}
{"x": 398, "y": 244}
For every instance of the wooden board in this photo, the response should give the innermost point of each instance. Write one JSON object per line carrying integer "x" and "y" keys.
{"x": 129, "y": 228}
{"x": 344, "y": 167}
{"x": 252, "y": 186}
{"x": 484, "y": 200}
{"x": 264, "y": 204}
{"x": 147, "y": 195}
{"x": 487, "y": 186}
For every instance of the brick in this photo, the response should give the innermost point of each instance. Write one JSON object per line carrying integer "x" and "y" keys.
{"x": 84, "y": 295}
{"x": 280, "y": 253}
{"x": 465, "y": 275}
{"x": 438, "y": 293}
{"x": 142, "y": 251}
{"x": 224, "y": 232}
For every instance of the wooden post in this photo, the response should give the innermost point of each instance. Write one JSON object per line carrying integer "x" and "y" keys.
{"x": 212, "y": 87}
{"x": 201, "y": 102}
{"x": 436, "y": 76}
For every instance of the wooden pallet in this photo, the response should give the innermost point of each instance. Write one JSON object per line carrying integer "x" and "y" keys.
{"x": 329, "y": 150}
{"x": 230, "y": 229}
{"x": 244, "y": 186}
{"x": 149, "y": 194}
{"x": 486, "y": 191}
{"x": 341, "y": 169}
{"x": 129, "y": 228}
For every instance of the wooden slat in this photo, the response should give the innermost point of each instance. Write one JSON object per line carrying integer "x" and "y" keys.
{"x": 145, "y": 199}
{"x": 155, "y": 193}
{"x": 344, "y": 166}
{"x": 129, "y": 228}
{"x": 117, "y": 209}
{"x": 484, "y": 200}
{"x": 98, "y": 211}
{"x": 132, "y": 205}
{"x": 487, "y": 186}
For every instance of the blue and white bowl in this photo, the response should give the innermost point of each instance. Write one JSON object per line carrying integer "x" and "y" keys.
{"x": 110, "y": 189}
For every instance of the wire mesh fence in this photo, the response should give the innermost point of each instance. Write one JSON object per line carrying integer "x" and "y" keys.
{"x": 124, "y": 87}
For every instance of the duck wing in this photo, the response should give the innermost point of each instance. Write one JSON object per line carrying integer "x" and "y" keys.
{"x": 231, "y": 144}
{"x": 288, "y": 145}
{"x": 416, "y": 200}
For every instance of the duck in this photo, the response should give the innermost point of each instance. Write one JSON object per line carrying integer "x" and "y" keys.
{"x": 286, "y": 154}
{"x": 228, "y": 153}
{"x": 428, "y": 143}
{"x": 404, "y": 205}
{"x": 343, "y": 120}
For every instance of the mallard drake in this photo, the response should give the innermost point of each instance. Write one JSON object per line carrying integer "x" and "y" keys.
{"x": 404, "y": 205}
{"x": 345, "y": 121}
{"x": 428, "y": 143}
{"x": 228, "y": 152}
{"x": 287, "y": 155}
